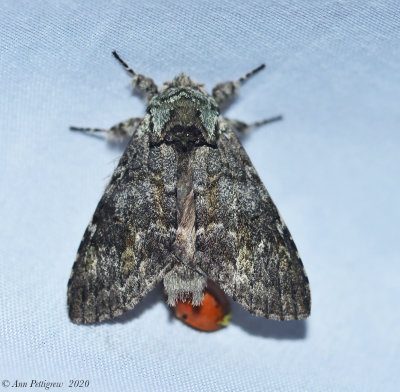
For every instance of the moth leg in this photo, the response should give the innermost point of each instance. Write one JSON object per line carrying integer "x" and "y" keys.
{"x": 144, "y": 85}
{"x": 121, "y": 130}
{"x": 224, "y": 92}
{"x": 242, "y": 129}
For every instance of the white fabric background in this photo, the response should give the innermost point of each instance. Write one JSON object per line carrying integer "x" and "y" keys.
{"x": 332, "y": 167}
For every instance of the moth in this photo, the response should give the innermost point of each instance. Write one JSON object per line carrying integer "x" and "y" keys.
{"x": 185, "y": 205}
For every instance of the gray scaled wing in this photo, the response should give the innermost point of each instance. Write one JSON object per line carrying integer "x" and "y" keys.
{"x": 242, "y": 242}
{"x": 126, "y": 249}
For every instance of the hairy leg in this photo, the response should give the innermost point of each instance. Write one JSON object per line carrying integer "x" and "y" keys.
{"x": 242, "y": 129}
{"x": 224, "y": 92}
{"x": 141, "y": 83}
{"x": 121, "y": 130}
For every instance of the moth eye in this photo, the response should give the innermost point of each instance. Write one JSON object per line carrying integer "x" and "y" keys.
{"x": 198, "y": 113}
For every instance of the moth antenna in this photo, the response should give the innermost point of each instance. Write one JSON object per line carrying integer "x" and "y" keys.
{"x": 124, "y": 64}
{"x": 266, "y": 121}
{"x": 88, "y": 130}
{"x": 251, "y": 73}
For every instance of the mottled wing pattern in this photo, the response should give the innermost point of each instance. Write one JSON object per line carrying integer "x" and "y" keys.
{"x": 126, "y": 248}
{"x": 242, "y": 242}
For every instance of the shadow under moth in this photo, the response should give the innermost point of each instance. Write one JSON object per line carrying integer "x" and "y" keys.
{"x": 185, "y": 206}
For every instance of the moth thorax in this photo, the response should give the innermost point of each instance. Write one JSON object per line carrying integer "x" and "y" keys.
{"x": 184, "y": 284}
{"x": 185, "y": 127}
{"x": 185, "y": 135}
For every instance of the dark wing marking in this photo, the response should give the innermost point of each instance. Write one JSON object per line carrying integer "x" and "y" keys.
{"x": 241, "y": 241}
{"x": 126, "y": 248}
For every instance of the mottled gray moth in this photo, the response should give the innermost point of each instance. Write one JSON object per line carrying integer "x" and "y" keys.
{"x": 184, "y": 205}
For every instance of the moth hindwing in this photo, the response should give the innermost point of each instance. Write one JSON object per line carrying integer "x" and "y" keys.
{"x": 185, "y": 205}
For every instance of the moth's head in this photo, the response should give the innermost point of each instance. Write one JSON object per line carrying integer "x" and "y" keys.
{"x": 183, "y": 115}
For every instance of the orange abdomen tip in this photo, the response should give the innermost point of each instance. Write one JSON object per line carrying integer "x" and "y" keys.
{"x": 213, "y": 313}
